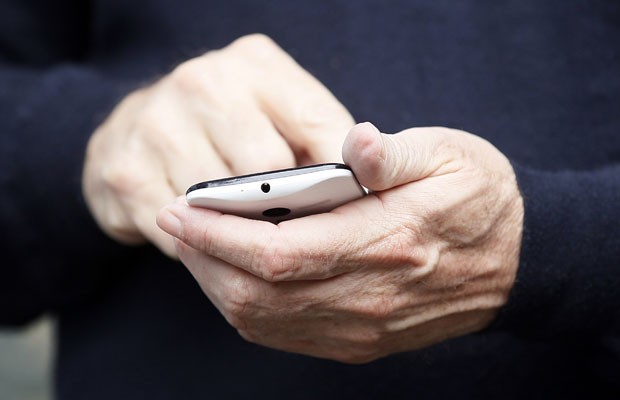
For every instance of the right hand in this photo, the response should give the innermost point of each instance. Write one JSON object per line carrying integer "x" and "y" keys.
{"x": 245, "y": 108}
{"x": 431, "y": 254}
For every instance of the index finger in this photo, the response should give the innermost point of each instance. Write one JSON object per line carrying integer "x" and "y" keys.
{"x": 315, "y": 247}
{"x": 305, "y": 112}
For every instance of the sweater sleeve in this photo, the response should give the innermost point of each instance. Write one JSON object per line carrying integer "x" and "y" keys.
{"x": 568, "y": 281}
{"x": 53, "y": 251}
{"x": 50, "y": 103}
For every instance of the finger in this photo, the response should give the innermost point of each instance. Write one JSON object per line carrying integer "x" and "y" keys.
{"x": 223, "y": 284}
{"x": 143, "y": 207}
{"x": 180, "y": 143}
{"x": 198, "y": 162}
{"x": 383, "y": 161}
{"x": 304, "y": 111}
{"x": 243, "y": 299}
{"x": 248, "y": 141}
{"x": 230, "y": 116}
{"x": 268, "y": 321}
{"x": 249, "y": 303}
{"x": 300, "y": 249}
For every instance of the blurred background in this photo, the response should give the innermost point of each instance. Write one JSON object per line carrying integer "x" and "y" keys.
{"x": 25, "y": 361}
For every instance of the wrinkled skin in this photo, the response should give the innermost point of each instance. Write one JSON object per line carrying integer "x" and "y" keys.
{"x": 431, "y": 254}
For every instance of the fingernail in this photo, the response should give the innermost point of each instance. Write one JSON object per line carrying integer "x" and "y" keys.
{"x": 169, "y": 222}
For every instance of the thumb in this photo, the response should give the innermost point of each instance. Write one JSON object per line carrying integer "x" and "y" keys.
{"x": 382, "y": 161}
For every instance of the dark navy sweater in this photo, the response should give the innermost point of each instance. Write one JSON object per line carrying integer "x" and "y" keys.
{"x": 539, "y": 79}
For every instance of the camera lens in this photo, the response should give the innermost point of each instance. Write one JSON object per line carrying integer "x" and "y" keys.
{"x": 265, "y": 187}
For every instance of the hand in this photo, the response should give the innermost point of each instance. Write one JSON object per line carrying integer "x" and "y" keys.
{"x": 246, "y": 108}
{"x": 431, "y": 254}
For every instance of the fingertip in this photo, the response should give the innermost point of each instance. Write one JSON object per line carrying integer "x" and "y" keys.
{"x": 364, "y": 152}
{"x": 168, "y": 220}
{"x": 161, "y": 238}
{"x": 171, "y": 211}
{"x": 361, "y": 142}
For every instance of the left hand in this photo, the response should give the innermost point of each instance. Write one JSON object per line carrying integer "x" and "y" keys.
{"x": 245, "y": 108}
{"x": 431, "y": 254}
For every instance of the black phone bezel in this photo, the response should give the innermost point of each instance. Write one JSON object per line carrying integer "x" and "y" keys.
{"x": 281, "y": 173}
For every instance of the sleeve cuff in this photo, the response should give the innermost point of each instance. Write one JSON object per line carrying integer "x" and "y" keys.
{"x": 568, "y": 281}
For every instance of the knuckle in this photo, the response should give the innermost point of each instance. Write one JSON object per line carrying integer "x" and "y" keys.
{"x": 157, "y": 134}
{"x": 271, "y": 265}
{"x": 150, "y": 123}
{"x": 204, "y": 79}
{"x": 257, "y": 46}
{"x": 237, "y": 300}
{"x": 273, "y": 262}
{"x": 121, "y": 228}
{"x": 122, "y": 176}
{"x": 186, "y": 74}
{"x": 116, "y": 223}
{"x": 451, "y": 148}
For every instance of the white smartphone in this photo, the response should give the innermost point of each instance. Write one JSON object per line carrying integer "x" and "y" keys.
{"x": 281, "y": 195}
